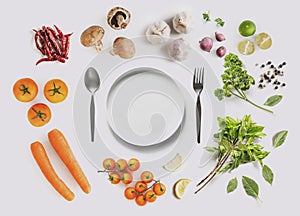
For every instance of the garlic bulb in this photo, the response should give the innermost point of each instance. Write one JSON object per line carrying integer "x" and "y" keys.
{"x": 158, "y": 32}
{"x": 123, "y": 47}
{"x": 182, "y": 22}
{"x": 179, "y": 49}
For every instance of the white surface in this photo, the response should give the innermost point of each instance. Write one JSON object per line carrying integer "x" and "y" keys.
{"x": 25, "y": 191}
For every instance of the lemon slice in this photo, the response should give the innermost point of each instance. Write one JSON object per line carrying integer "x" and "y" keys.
{"x": 263, "y": 41}
{"x": 246, "y": 47}
{"x": 180, "y": 187}
{"x": 173, "y": 164}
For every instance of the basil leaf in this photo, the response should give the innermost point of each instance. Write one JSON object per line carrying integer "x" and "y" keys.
{"x": 211, "y": 149}
{"x": 232, "y": 185}
{"x": 273, "y": 100}
{"x": 250, "y": 186}
{"x": 279, "y": 138}
{"x": 268, "y": 174}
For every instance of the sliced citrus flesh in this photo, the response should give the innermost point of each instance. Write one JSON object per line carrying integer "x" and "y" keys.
{"x": 263, "y": 41}
{"x": 246, "y": 47}
{"x": 173, "y": 164}
{"x": 180, "y": 186}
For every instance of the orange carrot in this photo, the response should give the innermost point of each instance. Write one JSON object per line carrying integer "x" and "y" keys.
{"x": 62, "y": 148}
{"x": 41, "y": 158}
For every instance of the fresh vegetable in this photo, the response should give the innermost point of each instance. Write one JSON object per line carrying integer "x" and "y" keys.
{"x": 251, "y": 187}
{"x": 220, "y": 21}
{"x": 39, "y": 114}
{"x": 179, "y": 49}
{"x": 123, "y": 47}
{"x": 62, "y": 148}
{"x": 237, "y": 145}
{"x": 219, "y": 36}
{"x": 247, "y": 28}
{"x": 279, "y": 138}
{"x": 144, "y": 189}
{"x": 206, "y": 16}
{"x": 221, "y": 51}
{"x": 183, "y": 22}
{"x": 53, "y": 44}
{"x": 236, "y": 81}
{"x": 206, "y": 44}
{"x": 273, "y": 100}
{"x": 92, "y": 37}
{"x": 158, "y": 32}
{"x": 55, "y": 90}
{"x": 268, "y": 174}
{"x": 232, "y": 185}
{"x": 41, "y": 158}
{"x": 25, "y": 90}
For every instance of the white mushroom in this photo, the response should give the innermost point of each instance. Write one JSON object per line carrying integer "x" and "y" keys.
{"x": 158, "y": 32}
{"x": 118, "y": 18}
{"x": 179, "y": 49}
{"x": 123, "y": 47}
{"x": 92, "y": 36}
{"x": 182, "y": 22}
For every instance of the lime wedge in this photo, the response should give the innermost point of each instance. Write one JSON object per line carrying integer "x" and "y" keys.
{"x": 180, "y": 186}
{"x": 263, "y": 41}
{"x": 246, "y": 47}
{"x": 173, "y": 164}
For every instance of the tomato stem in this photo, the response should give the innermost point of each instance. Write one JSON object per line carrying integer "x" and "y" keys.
{"x": 24, "y": 89}
{"x": 39, "y": 115}
{"x": 55, "y": 90}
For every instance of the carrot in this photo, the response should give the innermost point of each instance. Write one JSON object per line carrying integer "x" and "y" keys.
{"x": 62, "y": 148}
{"x": 41, "y": 158}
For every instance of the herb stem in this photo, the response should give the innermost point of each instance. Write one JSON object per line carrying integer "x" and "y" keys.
{"x": 258, "y": 106}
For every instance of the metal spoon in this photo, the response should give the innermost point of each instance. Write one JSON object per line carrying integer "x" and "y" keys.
{"x": 92, "y": 83}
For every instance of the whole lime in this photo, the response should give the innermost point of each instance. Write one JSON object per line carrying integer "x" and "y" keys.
{"x": 247, "y": 28}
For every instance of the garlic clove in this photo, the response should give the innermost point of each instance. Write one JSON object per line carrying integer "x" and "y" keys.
{"x": 158, "y": 32}
{"x": 179, "y": 49}
{"x": 182, "y": 22}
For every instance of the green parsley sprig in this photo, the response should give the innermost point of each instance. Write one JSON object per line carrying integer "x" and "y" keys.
{"x": 236, "y": 81}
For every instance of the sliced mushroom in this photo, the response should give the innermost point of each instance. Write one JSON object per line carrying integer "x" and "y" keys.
{"x": 118, "y": 18}
{"x": 92, "y": 36}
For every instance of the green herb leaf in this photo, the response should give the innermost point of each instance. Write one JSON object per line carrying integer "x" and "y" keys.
{"x": 219, "y": 22}
{"x": 250, "y": 186}
{"x": 206, "y": 16}
{"x": 268, "y": 174}
{"x": 232, "y": 185}
{"x": 279, "y": 138}
{"x": 273, "y": 100}
{"x": 211, "y": 149}
{"x": 219, "y": 93}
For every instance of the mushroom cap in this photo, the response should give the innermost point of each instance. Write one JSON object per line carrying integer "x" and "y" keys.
{"x": 118, "y": 18}
{"x": 92, "y": 36}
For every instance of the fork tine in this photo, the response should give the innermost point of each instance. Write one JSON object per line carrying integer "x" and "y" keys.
{"x": 198, "y": 75}
{"x": 202, "y": 75}
{"x": 195, "y": 76}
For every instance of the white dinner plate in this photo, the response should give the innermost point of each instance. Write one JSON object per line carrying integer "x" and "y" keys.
{"x": 144, "y": 106}
{"x": 153, "y": 157}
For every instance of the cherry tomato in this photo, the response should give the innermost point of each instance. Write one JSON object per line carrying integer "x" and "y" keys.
{"x": 55, "y": 90}
{"x": 25, "y": 90}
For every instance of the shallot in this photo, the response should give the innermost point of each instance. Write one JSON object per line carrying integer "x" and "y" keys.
{"x": 221, "y": 51}
{"x": 219, "y": 36}
{"x": 206, "y": 44}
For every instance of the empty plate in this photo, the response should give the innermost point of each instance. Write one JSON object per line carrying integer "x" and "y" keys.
{"x": 145, "y": 106}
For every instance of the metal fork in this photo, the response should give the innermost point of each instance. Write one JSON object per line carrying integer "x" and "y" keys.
{"x": 198, "y": 87}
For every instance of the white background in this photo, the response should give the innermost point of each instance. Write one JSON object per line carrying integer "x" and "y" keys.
{"x": 24, "y": 189}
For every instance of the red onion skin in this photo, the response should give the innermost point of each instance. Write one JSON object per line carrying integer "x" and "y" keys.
{"x": 221, "y": 51}
{"x": 219, "y": 36}
{"x": 206, "y": 44}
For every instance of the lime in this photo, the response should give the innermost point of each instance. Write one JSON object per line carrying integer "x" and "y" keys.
{"x": 180, "y": 187}
{"x": 246, "y": 47}
{"x": 247, "y": 28}
{"x": 263, "y": 41}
